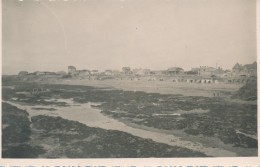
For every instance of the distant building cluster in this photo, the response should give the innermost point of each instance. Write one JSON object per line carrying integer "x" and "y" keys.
{"x": 203, "y": 74}
{"x": 41, "y": 73}
{"x": 245, "y": 70}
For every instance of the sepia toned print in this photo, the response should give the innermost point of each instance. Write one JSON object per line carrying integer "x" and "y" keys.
{"x": 129, "y": 79}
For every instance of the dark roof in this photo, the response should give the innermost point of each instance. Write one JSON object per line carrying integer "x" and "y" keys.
{"x": 72, "y": 67}
{"x": 175, "y": 69}
{"x": 236, "y": 66}
{"x": 251, "y": 66}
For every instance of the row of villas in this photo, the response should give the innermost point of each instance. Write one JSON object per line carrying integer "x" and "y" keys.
{"x": 248, "y": 70}
{"x": 41, "y": 73}
{"x": 127, "y": 71}
{"x": 72, "y": 71}
{"x": 202, "y": 74}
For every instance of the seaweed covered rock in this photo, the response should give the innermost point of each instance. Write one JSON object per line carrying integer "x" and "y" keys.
{"x": 16, "y": 134}
{"x": 76, "y": 140}
{"x": 16, "y": 125}
{"x": 247, "y": 92}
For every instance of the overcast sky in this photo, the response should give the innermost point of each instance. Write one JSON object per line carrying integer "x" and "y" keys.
{"x": 109, "y": 34}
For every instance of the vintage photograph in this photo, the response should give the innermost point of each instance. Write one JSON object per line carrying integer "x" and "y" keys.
{"x": 129, "y": 79}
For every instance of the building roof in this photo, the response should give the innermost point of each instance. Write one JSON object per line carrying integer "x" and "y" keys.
{"x": 71, "y": 67}
{"x": 251, "y": 66}
{"x": 175, "y": 69}
{"x": 237, "y": 66}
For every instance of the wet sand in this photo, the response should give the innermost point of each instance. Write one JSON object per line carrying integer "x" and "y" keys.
{"x": 93, "y": 117}
{"x": 162, "y": 87}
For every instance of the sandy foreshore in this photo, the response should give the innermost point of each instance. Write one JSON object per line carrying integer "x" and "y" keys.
{"x": 162, "y": 87}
